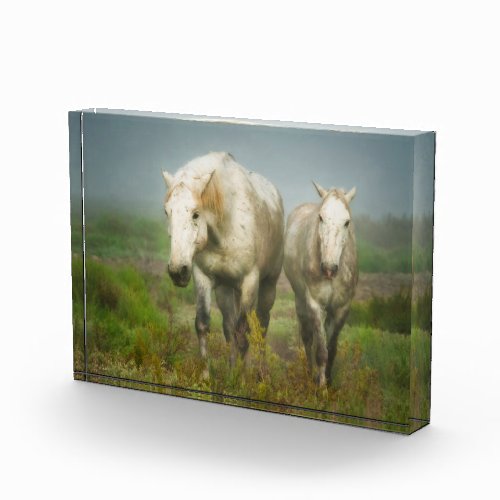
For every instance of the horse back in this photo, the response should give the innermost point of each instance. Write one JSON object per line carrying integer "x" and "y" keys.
{"x": 269, "y": 224}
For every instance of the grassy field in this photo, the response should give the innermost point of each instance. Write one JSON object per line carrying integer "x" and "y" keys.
{"x": 384, "y": 246}
{"x": 141, "y": 327}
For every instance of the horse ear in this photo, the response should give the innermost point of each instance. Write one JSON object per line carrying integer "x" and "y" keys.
{"x": 350, "y": 195}
{"x": 322, "y": 192}
{"x": 168, "y": 178}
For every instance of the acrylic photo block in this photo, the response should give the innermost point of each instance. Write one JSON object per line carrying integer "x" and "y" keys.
{"x": 276, "y": 266}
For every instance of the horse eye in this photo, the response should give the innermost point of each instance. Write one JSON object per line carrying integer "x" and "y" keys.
{"x": 320, "y": 218}
{"x": 346, "y": 224}
{"x": 195, "y": 215}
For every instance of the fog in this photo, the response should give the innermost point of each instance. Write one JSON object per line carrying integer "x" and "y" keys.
{"x": 124, "y": 157}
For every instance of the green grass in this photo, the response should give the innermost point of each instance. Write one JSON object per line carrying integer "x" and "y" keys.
{"x": 395, "y": 313}
{"x": 127, "y": 311}
{"x": 386, "y": 245}
{"x": 420, "y": 384}
{"x": 383, "y": 246}
{"x": 140, "y": 327}
{"x": 375, "y": 259}
{"x": 115, "y": 235}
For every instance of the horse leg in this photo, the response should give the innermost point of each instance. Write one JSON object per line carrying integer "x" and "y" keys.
{"x": 306, "y": 332}
{"x": 307, "y": 338}
{"x": 267, "y": 295}
{"x": 203, "y": 287}
{"x": 248, "y": 299}
{"x": 336, "y": 322}
{"x": 226, "y": 300}
{"x": 317, "y": 319}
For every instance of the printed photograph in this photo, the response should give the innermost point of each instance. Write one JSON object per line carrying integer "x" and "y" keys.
{"x": 281, "y": 268}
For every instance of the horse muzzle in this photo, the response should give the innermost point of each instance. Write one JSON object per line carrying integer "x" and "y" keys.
{"x": 180, "y": 275}
{"x": 329, "y": 271}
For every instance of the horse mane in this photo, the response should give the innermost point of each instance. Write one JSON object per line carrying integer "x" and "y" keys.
{"x": 212, "y": 197}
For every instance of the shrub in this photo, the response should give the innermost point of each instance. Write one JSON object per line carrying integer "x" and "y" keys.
{"x": 394, "y": 313}
{"x": 391, "y": 313}
{"x": 123, "y": 319}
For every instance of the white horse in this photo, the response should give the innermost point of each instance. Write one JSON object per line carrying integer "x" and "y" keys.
{"x": 321, "y": 265}
{"x": 227, "y": 229}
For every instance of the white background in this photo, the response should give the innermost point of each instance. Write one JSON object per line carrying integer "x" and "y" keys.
{"x": 418, "y": 65}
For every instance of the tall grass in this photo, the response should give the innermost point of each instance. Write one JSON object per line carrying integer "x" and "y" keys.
{"x": 139, "y": 328}
{"x": 395, "y": 313}
{"x": 420, "y": 385}
{"x": 124, "y": 314}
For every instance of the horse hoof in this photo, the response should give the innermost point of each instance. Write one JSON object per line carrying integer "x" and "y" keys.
{"x": 320, "y": 380}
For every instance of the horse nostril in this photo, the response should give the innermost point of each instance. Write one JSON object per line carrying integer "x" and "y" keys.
{"x": 173, "y": 270}
{"x": 184, "y": 270}
{"x": 329, "y": 270}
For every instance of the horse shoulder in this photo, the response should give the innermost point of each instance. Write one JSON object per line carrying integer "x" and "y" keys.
{"x": 297, "y": 248}
{"x": 350, "y": 262}
{"x": 256, "y": 211}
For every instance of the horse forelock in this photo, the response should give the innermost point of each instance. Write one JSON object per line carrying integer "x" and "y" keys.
{"x": 339, "y": 194}
{"x": 170, "y": 192}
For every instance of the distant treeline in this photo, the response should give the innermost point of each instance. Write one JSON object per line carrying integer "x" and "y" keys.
{"x": 384, "y": 245}
{"x": 394, "y": 232}
{"x": 388, "y": 244}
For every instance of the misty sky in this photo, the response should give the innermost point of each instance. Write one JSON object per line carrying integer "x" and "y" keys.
{"x": 124, "y": 157}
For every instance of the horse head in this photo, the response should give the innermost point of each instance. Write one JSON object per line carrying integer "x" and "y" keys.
{"x": 334, "y": 218}
{"x": 187, "y": 225}
{"x": 191, "y": 206}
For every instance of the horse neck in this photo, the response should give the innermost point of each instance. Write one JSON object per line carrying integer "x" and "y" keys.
{"x": 229, "y": 225}
{"x": 350, "y": 246}
{"x": 215, "y": 234}
{"x": 313, "y": 245}
{"x": 220, "y": 227}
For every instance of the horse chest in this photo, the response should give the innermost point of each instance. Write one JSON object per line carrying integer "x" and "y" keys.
{"x": 220, "y": 268}
{"x": 328, "y": 293}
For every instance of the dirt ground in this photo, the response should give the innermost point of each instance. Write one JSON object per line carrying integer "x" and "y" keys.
{"x": 369, "y": 284}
